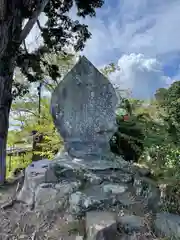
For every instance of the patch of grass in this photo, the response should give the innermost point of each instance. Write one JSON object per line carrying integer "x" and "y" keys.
{"x": 17, "y": 162}
{"x": 164, "y": 163}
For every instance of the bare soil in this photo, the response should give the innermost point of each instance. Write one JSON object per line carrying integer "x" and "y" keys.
{"x": 19, "y": 223}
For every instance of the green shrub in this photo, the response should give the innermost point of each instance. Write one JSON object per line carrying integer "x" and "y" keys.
{"x": 128, "y": 141}
{"x": 164, "y": 162}
{"x": 17, "y": 162}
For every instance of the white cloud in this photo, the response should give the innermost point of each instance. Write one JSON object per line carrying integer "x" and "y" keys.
{"x": 140, "y": 74}
{"x": 142, "y": 34}
{"x": 141, "y": 26}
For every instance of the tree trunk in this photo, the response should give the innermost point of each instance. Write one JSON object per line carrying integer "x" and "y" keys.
{"x": 6, "y": 78}
{"x": 11, "y": 37}
{"x": 10, "y": 29}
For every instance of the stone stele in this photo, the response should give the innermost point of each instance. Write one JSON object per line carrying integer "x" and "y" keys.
{"x": 83, "y": 108}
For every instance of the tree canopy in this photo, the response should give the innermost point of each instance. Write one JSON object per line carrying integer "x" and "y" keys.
{"x": 17, "y": 18}
{"x": 58, "y": 33}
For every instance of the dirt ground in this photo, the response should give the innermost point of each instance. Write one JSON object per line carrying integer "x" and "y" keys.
{"x": 19, "y": 223}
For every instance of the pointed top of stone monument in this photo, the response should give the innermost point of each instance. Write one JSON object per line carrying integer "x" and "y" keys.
{"x": 84, "y": 66}
{"x": 83, "y": 59}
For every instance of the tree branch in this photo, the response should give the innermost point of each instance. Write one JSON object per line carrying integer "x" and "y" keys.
{"x": 26, "y": 111}
{"x": 39, "y": 25}
{"x": 25, "y": 48}
{"x": 29, "y": 25}
{"x": 48, "y": 85}
{"x": 3, "y": 8}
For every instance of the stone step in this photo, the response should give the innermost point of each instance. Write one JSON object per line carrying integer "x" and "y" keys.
{"x": 107, "y": 226}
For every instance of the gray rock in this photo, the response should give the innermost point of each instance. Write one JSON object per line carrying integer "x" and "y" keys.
{"x": 95, "y": 197}
{"x": 83, "y": 108}
{"x": 131, "y": 223}
{"x": 98, "y": 164}
{"x": 115, "y": 176}
{"x": 38, "y": 172}
{"x": 106, "y": 226}
{"x": 122, "y": 177}
{"x": 67, "y": 187}
{"x": 149, "y": 190}
{"x": 108, "y": 233}
{"x": 167, "y": 225}
{"x": 93, "y": 178}
{"x": 126, "y": 199}
{"x": 52, "y": 196}
{"x": 76, "y": 201}
{"x": 46, "y": 198}
{"x": 67, "y": 172}
{"x": 142, "y": 171}
{"x": 94, "y": 172}
{"x": 114, "y": 188}
{"x": 97, "y": 221}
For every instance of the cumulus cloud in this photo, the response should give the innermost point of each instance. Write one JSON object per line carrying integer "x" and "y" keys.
{"x": 140, "y": 74}
{"x": 141, "y": 26}
{"x": 126, "y": 26}
{"x": 142, "y": 34}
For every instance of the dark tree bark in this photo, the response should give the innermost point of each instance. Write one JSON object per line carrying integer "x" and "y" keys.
{"x": 11, "y": 37}
{"x": 9, "y": 30}
{"x": 60, "y": 28}
{"x": 6, "y": 76}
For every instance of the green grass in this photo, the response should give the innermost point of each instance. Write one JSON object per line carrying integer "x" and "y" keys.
{"x": 16, "y": 162}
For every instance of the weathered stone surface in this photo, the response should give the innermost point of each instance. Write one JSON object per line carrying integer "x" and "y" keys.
{"x": 65, "y": 161}
{"x": 127, "y": 227}
{"x": 131, "y": 223}
{"x": 115, "y": 175}
{"x": 126, "y": 199}
{"x": 147, "y": 189}
{"x": 66, "y": 227}
{"x": 35, "y": 174}
{"x": 96, "y": 221}
{"x": 93, "y": 178}
{"x": 142, "y": 171}
{"x": 114, "y": 188}
{"x": 97, "y": 186}
{"x": 76, "y": 202}
{"x": 168, "y": 225}
{"x": 52, "y": 196}
{"x": 95, "y": 197}
{"x": 93, "y": 171}
{"x": 83, "y": 108}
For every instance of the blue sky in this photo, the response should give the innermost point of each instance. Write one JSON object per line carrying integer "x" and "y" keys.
{"x": 141, "y": 36}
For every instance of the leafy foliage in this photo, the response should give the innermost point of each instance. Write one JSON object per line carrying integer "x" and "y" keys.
{"x": 28, "y": 116}
{"x": 158, "y": 120}
{"x": 58, "y": 34}
{"x": 163, "y": 160}
{"x": 169, "y": 103}
{"x": 129, "y": 138}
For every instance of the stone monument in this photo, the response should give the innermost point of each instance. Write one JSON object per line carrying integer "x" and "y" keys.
{"x": 86, "y": 176}
{"x": 83, "y": 108}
